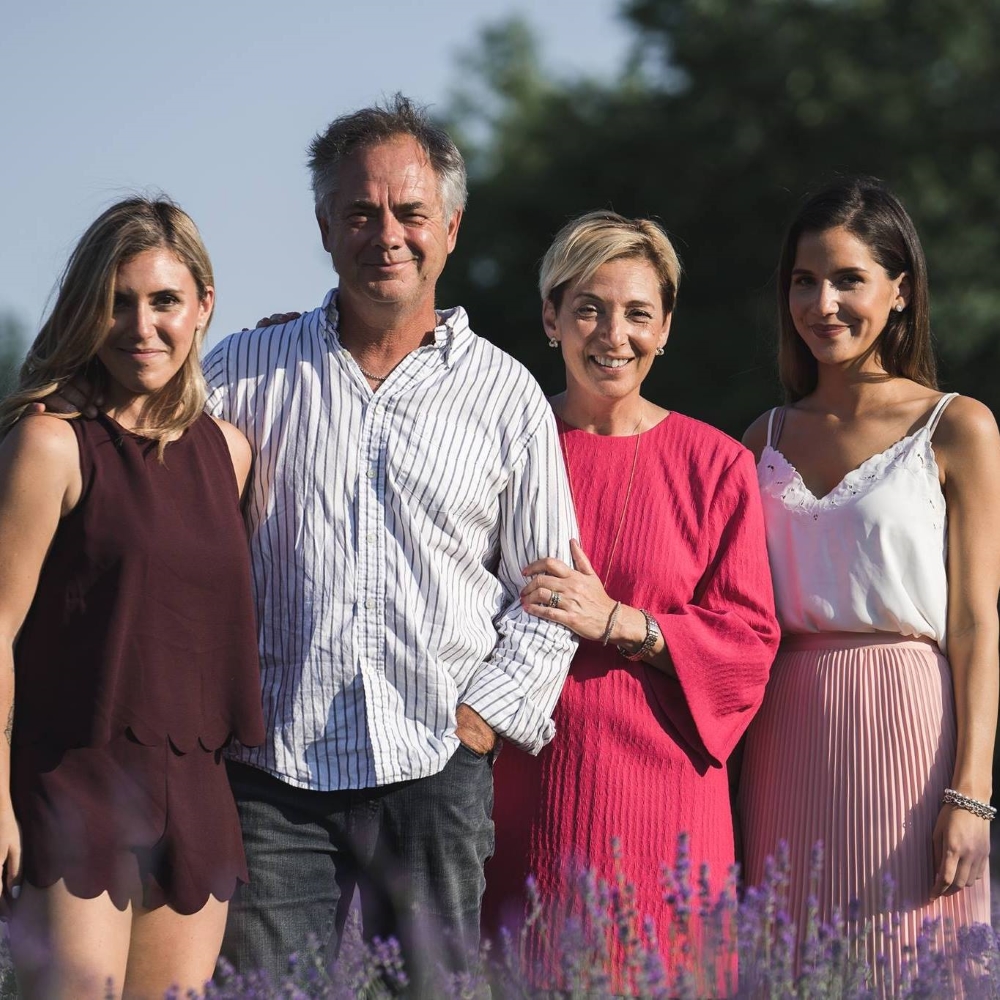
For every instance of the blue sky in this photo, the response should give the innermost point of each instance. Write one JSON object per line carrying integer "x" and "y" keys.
{"x": 214, "y": 104}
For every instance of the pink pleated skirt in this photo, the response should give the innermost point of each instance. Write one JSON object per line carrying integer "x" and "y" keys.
{"x": 853, "y": 747}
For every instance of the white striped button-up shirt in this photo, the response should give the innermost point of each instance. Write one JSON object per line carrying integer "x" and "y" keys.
{"x": 388, "y": 530}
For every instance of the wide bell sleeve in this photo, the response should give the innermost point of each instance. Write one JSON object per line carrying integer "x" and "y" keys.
{"x": 722, "y": 640}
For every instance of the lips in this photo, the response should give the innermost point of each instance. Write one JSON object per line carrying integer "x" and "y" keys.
{"x": 610, "y": 364}
{"x": 142, "y": 355}
{"x": 390, "y": 265}
{"x": 829, "y": 331}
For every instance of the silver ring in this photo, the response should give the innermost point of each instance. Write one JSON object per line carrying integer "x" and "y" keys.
{"x": 554, "y": 600}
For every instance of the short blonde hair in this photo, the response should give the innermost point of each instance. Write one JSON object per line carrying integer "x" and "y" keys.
{"x": 70, "y": 338}
{"x": 592, "y": 240}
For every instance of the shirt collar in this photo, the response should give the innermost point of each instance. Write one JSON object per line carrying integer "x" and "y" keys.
{"x": 451, "y": 333}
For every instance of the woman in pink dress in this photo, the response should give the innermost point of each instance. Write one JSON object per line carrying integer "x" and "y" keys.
{"x": 882, "y": 503}
{"x": 670, "y": 596}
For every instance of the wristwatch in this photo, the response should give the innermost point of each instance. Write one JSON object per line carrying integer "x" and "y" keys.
{"x": 652, "y": 634}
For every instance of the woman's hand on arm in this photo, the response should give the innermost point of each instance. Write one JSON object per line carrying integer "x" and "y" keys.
{"x": 39, "y": 482}
{"x": 584, "y": 606}
{"x": 967, "y": 444}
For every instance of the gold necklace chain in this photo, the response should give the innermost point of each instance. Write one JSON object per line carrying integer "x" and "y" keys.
{"x": 628, "y": 494}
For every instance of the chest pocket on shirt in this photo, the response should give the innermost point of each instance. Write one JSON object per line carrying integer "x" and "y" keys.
{"x": 434, "y": 478}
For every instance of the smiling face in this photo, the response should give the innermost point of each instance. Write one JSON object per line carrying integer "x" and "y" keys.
{"x": 157, "y": 312}
{"x": 609, "y": 327}
{"x": 386, "y": 229}
{"x": 840, "y": 298}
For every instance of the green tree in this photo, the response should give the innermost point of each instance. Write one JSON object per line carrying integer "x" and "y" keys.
{"x": 12, "y": 346}
{"x": 728, "y": 112}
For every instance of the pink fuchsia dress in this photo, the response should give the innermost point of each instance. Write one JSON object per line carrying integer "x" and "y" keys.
{"x": 855, "y": 742}
{"x": 639, "y": 756}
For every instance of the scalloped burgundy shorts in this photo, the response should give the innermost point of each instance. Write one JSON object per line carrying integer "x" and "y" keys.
{"x": 128, "y": 815}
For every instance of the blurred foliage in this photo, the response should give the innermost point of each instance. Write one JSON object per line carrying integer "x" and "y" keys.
{"x": 728, "y": 112}
{"x": 13, "y": 344}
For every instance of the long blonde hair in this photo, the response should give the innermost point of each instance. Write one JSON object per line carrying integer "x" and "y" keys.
{"x": 68, "y": 342}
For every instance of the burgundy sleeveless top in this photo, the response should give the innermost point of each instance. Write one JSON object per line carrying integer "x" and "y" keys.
{"x": 143, "y": 619}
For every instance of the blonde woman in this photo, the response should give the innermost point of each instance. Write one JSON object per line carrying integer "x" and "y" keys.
{"x": 669, "y": 593}
{"x": 127, "y": 627}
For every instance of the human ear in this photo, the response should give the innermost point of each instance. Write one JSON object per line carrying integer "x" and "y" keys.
{"x": 324, "y": 228}
{"x": 549, "y": 319}
{"x": 903, "y": 291}
{"x": 453, "y": 225}
{"x": 206, "y": 305}
{"x": 665, "y": 332}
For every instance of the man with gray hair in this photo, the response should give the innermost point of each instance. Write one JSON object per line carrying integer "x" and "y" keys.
{"x": 406, "y": 470}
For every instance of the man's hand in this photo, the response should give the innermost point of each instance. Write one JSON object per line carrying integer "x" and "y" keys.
{"x": 473, "y": 731}
{"x": 275, "y": 319}
{"x": 74, "y": 397}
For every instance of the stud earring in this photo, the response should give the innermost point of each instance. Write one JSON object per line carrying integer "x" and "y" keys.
{"x": 553, "y": 342}
{"x": 899, "y": 307}
{"x": 659, "y": 351}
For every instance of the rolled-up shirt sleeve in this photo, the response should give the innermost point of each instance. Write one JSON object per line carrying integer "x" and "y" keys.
{"x": 516, "y": 687}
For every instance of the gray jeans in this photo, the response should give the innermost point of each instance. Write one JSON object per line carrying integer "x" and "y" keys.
{"x": 415, "y": 851}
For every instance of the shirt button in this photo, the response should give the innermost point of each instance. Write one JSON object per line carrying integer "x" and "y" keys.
{"x": 370, "y": 538}
{"x": 372, "y": 473}
{"x": 370, "y": 603}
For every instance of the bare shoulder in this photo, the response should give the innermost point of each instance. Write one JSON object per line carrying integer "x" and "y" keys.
{"x": 967, "y": 439}
{"x": 235, "y": 438}
{"x": 40, "y": 464}
{"x": 41, "y": 437}
{"x": 755, "y": 436}
{"x": 966, "y": 422}
{"x": 239, "y": 449}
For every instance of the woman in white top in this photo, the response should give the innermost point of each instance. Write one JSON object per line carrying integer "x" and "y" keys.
{"x": 882, "y": 509}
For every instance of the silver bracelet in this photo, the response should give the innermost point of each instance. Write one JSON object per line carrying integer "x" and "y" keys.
{"x": 652, "y": 634}
{"x": 612, "y": 618}
{"x": 981, "y": 809}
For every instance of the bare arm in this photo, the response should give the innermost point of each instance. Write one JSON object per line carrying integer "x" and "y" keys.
{"x": 239, "y": 451}
{"x": 39, "y": 483}
{"x": 967, "y": 444}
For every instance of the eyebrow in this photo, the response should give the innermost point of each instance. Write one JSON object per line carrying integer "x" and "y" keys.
{"x": 631, "y": 302}
{"x": 408, "y": 206}
{"x": 840, "y": 270}
{"x": 159, "y": 291}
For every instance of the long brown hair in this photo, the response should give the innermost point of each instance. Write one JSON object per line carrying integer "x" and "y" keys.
{"x": 868, "y": 210}
{"x": 68, "y": 342}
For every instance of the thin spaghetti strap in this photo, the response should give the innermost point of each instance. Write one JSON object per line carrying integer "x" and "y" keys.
{"x": 939, "y": 407}
{"x": 779, "y": 425}
{"x": 770, "y": 424}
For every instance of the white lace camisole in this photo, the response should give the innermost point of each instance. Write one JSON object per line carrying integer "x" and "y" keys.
{"x": 870, "y": 555}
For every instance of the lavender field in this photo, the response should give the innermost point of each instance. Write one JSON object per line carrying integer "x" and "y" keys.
{"x": 737, "y": 945}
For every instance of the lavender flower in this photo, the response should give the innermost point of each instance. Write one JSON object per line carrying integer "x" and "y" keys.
{"x": 610, "y": 948}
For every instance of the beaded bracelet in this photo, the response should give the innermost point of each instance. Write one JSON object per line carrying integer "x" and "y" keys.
{"x": 981, "y": 809}
{"x": 612, "y": 618}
